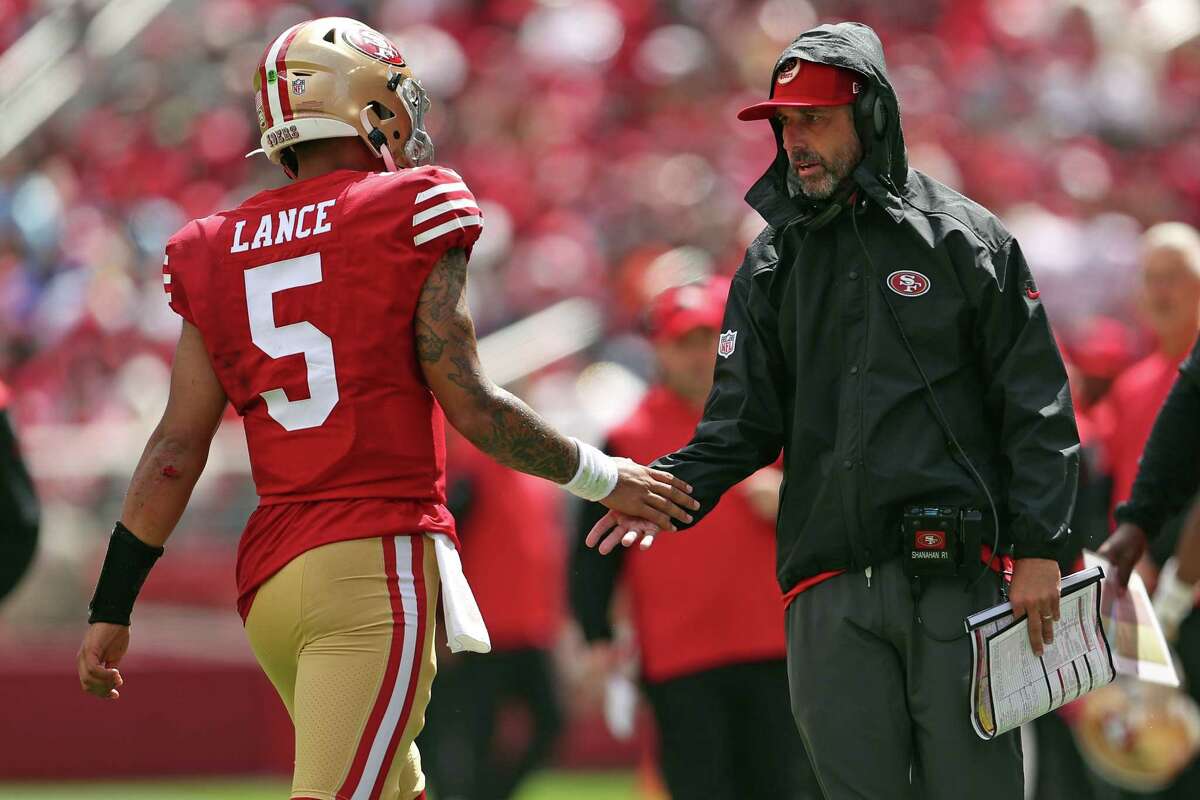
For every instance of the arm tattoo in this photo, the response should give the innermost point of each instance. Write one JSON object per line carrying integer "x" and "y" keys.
{"x": 494, "y": 420}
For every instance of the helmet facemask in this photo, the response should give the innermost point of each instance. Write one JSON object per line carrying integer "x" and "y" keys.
{"x": 417, "y": 149}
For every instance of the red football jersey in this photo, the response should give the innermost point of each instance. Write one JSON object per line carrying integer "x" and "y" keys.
{"x": 305, "y": 297}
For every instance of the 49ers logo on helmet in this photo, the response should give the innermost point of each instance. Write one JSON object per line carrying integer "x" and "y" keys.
{"x": 374, "y": 44}
{"x": 908, "y": 283}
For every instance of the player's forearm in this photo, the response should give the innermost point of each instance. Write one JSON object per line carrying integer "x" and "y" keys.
{"x": 492, "y": 419}
{"x": 162, "y": 484}
{"x": 509, "y": 431}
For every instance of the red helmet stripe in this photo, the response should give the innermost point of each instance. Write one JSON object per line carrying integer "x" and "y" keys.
{"x": 284, "y": 83}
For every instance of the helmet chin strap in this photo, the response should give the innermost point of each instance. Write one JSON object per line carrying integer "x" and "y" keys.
{"x": 378, "y": 140}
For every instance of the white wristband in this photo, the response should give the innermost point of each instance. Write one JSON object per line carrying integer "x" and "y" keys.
{"x": 1173, "y": 599}
{"x": 596, "y": 476}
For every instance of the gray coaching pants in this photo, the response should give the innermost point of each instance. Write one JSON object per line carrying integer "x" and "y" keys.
{"x": 874, "y": 696}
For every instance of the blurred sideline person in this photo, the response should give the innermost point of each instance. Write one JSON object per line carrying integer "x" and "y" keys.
{"x": 517, "y": 571}
{"x": 1169, "y": 301}
{"x": 19, "y": 507}
{"x": 885, "y": 332}
{"x": 332, "y": 314}
{"x": 1166, "y": 484}
{"x": 708, "y": 620}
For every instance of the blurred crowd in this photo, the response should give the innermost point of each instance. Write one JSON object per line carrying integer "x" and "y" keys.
{"x": 600, "y": 136}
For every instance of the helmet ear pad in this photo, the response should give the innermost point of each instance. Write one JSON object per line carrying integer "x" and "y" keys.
{"x": 384, "y": 127}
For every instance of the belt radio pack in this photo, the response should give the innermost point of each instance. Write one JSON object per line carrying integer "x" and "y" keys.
{"x": 941, "y": 541}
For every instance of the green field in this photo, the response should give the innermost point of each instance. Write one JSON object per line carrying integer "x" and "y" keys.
{"x": 547, "y": 786}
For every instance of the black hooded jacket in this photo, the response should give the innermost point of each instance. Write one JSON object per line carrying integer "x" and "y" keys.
{"x": 819, "y": 368}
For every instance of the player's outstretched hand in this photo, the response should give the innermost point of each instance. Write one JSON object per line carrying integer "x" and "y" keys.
{"x": 104, "y": 646}
{"x": 651, "y": 495}
{"x": 621, "y": 529}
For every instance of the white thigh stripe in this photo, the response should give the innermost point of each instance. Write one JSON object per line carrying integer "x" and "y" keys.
{"x": 442, "y": 208}
{"x": 408, "y": 653}
{"x": 457, "y": 223}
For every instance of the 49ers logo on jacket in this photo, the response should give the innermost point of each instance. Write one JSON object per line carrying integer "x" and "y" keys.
{"x": 908, "y": 283}
{"x": 374, "y": 44}
{"x": 931, "y": 540}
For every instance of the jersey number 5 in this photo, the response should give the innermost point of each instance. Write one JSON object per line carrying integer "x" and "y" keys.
{"x": 301, "y": 337}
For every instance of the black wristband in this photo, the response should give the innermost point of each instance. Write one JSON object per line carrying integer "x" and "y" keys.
{"x": 125, "y": 569}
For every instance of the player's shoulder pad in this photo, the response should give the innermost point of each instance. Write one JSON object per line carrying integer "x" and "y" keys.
{"x": 185, "y": 243}
{"x": 442, "y": 205}
{"x": 406, "y": 184}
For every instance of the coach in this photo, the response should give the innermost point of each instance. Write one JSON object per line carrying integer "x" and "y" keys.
{"x": 885, "y": 332}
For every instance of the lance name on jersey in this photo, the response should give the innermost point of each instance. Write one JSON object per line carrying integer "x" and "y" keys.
{"x": 293, "y": 223}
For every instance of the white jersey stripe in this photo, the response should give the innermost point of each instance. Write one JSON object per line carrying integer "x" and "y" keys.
{"x": 273, "y": 91}
{"x": 167, "y": 280}
{"x": 391, "y": 717}
{"x": 442, "y": 208}
{"x": 457, "y": 223}
{"x": 441, "y": 188}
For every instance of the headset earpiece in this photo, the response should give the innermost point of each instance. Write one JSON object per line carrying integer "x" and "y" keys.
{"x": 870, "y": 113}
{"x": 879, "y": 117}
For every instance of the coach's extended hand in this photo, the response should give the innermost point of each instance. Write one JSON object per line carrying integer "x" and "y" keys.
{"x": 651, "y": 496}
{"x": 103, "y": 647}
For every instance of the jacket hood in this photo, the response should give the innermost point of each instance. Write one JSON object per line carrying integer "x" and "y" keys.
{"x": 854, "y": 46}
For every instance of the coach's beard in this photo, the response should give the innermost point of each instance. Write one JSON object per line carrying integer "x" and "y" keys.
{"x": 822, "y": 176}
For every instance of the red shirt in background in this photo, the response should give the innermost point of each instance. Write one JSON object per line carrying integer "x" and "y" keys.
{"x": 706, "y": 597}
{"x": 1124, "y": 418}
{"x": 514, "y": 549}
{"x": 305, "y": 297}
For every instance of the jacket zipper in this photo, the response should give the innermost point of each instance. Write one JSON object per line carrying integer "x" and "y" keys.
{"x": 868, "y": 284}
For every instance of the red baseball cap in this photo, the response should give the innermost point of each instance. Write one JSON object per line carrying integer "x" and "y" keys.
{"x": 804, "y": 84}
{"x": 682, "y": 309}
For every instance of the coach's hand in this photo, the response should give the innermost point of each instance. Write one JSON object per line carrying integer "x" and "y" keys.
{"x": 104, "y": 646}
{"x": 1123, "y": 549}
{"x": 1035, "y": 592}
{"x": 625, "y": 530}
{"x": 650, "y": 494}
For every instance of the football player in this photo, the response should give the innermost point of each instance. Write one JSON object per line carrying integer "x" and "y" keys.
{"x": 332, "y": 314}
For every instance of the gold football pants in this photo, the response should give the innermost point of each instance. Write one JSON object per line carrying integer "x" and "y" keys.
{"x": 345, "y": 633}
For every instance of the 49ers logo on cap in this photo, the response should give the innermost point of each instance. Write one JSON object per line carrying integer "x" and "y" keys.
{"x": 788, "y": 71}
{"x": 374, "y": 44}
{"x": 931, "y": 540}
{"x": 908, "y": 283}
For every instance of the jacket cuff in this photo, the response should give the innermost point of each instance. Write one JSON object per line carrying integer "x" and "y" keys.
{"x": 1141, "y": 515}
{"x": 1031, "y": 543}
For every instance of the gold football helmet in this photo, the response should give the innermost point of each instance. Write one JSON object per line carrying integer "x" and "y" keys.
{"x": 1139, "y": 736}
{"x": 334, "y": 77}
